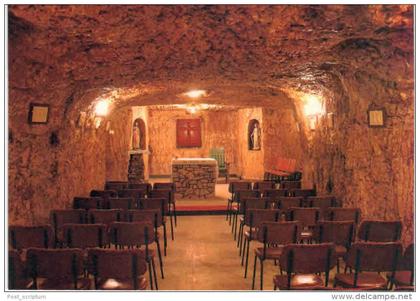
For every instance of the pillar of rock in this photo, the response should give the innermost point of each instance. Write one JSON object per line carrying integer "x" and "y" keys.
{"x": 136, "y": 168}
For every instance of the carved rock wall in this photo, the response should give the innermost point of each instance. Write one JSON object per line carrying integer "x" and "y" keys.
{"x": 251, "y": 162}
{"x": 217, "y": 130}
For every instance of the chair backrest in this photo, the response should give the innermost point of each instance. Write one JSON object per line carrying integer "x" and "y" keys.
{"x": 275, "y": 194}
{"x": 162, "y": 193}
{"x": 322, "y": 202}
{"x": 153, "y": 216}
{"x": 308, "y": 217}
{"x": 343, "y": 214}
{"x": 373, "y": 256}
{"x": 380, "y": 231}
{"x": 124, "y": 203}
{"x": 87, "y": 203}
{"x": 308, "y": 259}
{"x": 104, "y": 193}
{"x": 105, "y": 216}
{"x": 155, "y": 203}
{"x": 290, "y": 185}
{"x": 132, "y": 234}
{"x": 253, "y": 203}
{"x": 55, "y": 263}
{"x": 285, "y": 203}
{"x": 408, "y": 257}
{"x": 241, "y": 194}
{"x": 254, "y": 217}
{"x": 84, "y": 235}
{"x": 278, "y": 233}
{"x": 263, "y": 185}
{"x": 132, "y": 193}
{"x": 337, "y": 232}
{"x": 126, "y": 264}
{"x": 301, "y": 192}
{"x": 115, "y": 185}
{"x": 16, "y": 271}
{"x": 239, "y": 185}
{"x": 161, "y": 185}
{"x": 142, "y": 186}
{"x": 219, "y": 155}
{"x": 24, "y": 237}
{"x": 67, "y": 216}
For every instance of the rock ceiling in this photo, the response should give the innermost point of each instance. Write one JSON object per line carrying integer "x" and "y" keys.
{"x": 244, "y": 55}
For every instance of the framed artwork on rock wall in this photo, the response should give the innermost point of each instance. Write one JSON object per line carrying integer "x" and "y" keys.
{"x": 376, "y": 117}
{"x": 188, "y": 133}
{"x": 38, "y": 113}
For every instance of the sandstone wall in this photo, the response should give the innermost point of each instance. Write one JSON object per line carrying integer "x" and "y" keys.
{"x": 217, "y": 130}
{"x": 251, "y": 162}
{"x": 50, "y": 164}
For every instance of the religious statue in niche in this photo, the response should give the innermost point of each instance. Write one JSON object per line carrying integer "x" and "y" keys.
{"x": 139, "y": 135}
{"x": 254, "y": 135}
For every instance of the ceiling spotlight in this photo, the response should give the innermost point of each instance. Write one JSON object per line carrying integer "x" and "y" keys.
{"x": 196, "y": 93}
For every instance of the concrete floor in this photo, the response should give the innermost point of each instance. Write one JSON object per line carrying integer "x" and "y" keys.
{"x": 204, "y": 257}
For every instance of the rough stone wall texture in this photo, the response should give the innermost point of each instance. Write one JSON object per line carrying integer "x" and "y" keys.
{"x": 118, "y": 145}
{"x": 284, "y": 137}
{"x": 251, "y": 162}
{"x": 217, "y": 130}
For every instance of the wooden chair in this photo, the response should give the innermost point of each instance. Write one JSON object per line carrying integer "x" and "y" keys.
{"x": 304, "y": 193}
{"x": 88, "y": 203}
{"x": 105, "y": 216}
{"x": 172, "y": 187}
{"x": 134, "y": 194}
{"x": 273, "y": 236}
{"x": 84, "y": 236}
{"x": 323, "y": 203}
{"x": 248, "y": 204}
{"x": 287, "y": 185}
{"x": 141, "y": 186}
{"x": 262, "y": 186}
{"x": 125, "y": 273}
{"x": 135, "y": 234}
{"x": 403, "y": 280}
{"x": 379, "y": 231}
{"x": 338, "y": 232}
{"x": 253, "y": 219}
{"x": 24, "y": 237}
{"x": 66, "y": 216}
{"x": 232, "y": 188}
{"x": 219, "y": 155}
{"x": 104, "y": 193}
{"x": 304, "y": 263}
{"x": 308, "y": 218}
{"x": 123, "y": 203}
{"x": 368, "y": 259}
{"x": 238, "y": 196}
{"x": 18, "y": 278}
{"x": 153, "y": 216}
{"x": 343, "y": 214}
{"x": 165, "y": 195}
{"x": 275, "y": 194}
{"x": 57, "y": 269}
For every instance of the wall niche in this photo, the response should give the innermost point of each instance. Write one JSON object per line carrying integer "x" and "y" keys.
{"x": 254, "y": 135}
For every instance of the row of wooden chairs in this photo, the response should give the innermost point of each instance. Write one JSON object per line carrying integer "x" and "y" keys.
{"x": 67, "y": 269}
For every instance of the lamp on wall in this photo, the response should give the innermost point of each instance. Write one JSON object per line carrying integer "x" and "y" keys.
{"x": 313, "y": 108}
{"x": 101, "y": 109}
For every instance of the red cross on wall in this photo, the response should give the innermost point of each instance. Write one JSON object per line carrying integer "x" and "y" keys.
{"x": 188, "y": 133}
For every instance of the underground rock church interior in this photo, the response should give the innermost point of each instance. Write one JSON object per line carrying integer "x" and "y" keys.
{"x": 210, "y": 147}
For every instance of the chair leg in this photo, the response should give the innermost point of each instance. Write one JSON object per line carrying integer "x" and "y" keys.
{"x": 261, "y": 274}
{"x": 247, "y": 255}
{"x": 230, "y": 213}
{"x": 240, "y": 234}
{"x": 160, "y": 258}
{"x": 172, "y": 226}
{"x": 227, "y": 210}
{"x": 243, "y": 251}
{"x": 154, "y": 273}
{"x": 165, "y": 239}
{"x": 236, "y": 226}
{"x": 254, "y": 271}
{"x": 233, "y": 221}
{"x": 149, "y": 266}
{"x": 175, "y": 215}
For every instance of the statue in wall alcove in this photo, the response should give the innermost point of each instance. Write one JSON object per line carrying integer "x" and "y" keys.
{"x": 254, "y": 135}
{"x": 139, "y": 135}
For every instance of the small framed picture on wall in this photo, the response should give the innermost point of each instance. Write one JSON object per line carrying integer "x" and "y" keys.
{"x": 38, "y": 113}
{"x": 376, "y": 117}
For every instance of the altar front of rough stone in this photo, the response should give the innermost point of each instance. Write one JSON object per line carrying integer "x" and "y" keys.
{"x": 194, "y": 177}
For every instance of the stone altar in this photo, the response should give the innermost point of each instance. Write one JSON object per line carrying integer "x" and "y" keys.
{"x": 194, "y": 177}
